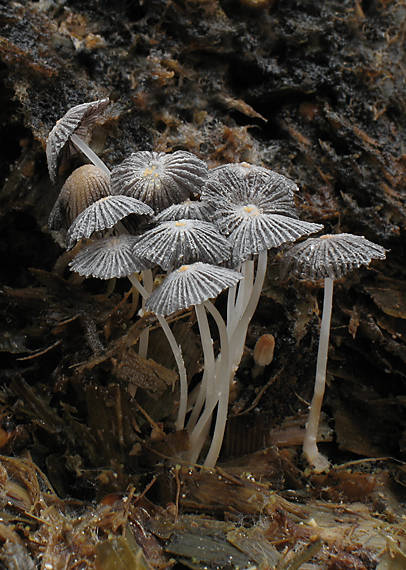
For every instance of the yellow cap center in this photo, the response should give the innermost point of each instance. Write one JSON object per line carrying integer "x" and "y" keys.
{"x": 150, "y": 170}
{"x": 251, "y": 210}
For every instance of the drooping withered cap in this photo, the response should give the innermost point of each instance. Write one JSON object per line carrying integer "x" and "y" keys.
{"x": 329, "y": 256}
{"x": 159, "y": 179}
{"x": 177, "y": 242}
{"x": 79, "y": 120}
{"x": 255, "y": 215}
{"x": 85, "y": 185}
{"x": 190, "y": 285}
{"x": 104, "y": 214}
{"x": 109, "y": 257}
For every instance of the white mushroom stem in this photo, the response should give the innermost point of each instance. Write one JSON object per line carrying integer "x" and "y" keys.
{"x": 135, "y": 283}
{"x": 235, "y": 313}
{"x": 144, "y": 337}
{"x": 223, "y": 387}
{"x": 177, "y": 353}
{"x": 228, "y": 360}
{"x": 219, "y": 396}
{"x": 232, "y": 341}
{"x": 231, "y": 295}
{"x": 237, "y": 340}
{"x": 312, "y": 454}
{"x": 87, "y": 151}
{"x": 206, "y": 388}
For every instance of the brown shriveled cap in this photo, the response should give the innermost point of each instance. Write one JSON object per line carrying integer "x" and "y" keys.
{"x": 85, "y": 185}
{"x": 264, "y": 349}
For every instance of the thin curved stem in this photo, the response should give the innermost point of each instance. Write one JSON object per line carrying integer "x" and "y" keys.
{"x": 244, "y": 293}
{"x": 144, "y": 337}
{"x": 135, "y": 283}
{"x": 231, "y": 296}
{"x": 199, "y": 432}
{"x": 224, "y": 388}
{"x": 87, "y": 151}
{"x": 177, "y": 353}
{"x": 238, "y": 338}
{"x": 206, "y": 387}
{"x": 310, "y": 450}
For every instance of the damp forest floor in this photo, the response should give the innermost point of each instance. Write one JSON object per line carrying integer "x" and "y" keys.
{"x": 92, "y": 473}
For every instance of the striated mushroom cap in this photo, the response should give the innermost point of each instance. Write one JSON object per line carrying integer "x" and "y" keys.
{"x": 80, "y": 120}
{"x": 108, "y": 257}
{"x": 104, "y": 214}
{"x": 159, "y": 179}
{"x": 85, "y": 185}
{"x": 330, "y": 256}
{"x": 229, "y": 189}
{"x": 174, "y": 243}
{"x": 255, "y": 215}
{"x": 257, "y": 232}
{"x": 187, "y": 210}
{"x": 190, "y": 285}
{"x": 226, "y": 177}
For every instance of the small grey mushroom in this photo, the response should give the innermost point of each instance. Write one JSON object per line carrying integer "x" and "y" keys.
{"x": 159, "y": 179}
{"x": 194, "y": 285}
{"x": 174, "y": 243}
{"x": 83, "y": 187}
{"x": 190, "y": 285}
{"x": 108, "y": 257}
{"x": 187, "y": 210}
{"x": 217, "y": 184}
{"x": 256, "y": 215}
{"x": 328, "y": 257}
{"x": 74, "y": 128}
{"x": 104, "y": 214}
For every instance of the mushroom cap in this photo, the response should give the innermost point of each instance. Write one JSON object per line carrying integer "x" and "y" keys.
{"x": 190, "y": 285}
{"x": 330, "y": 256}
{"x": 256, "y": 215}
{"x": 108, "y": 257}
{"x": 80, "y": 120}
{"x": 104, "y": 214}
{"x": 229, "y": 189}
{"x": 85, "y": 185}
{"x": 224, "y": 178}
{"x": 177, "y": 242}
{"x": 258, "y": 232}
{"x": 187, "y": 210}
{"x": 159, "y": 179}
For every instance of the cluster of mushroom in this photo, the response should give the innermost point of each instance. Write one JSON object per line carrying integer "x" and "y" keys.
{"x": 210, "y": 231}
